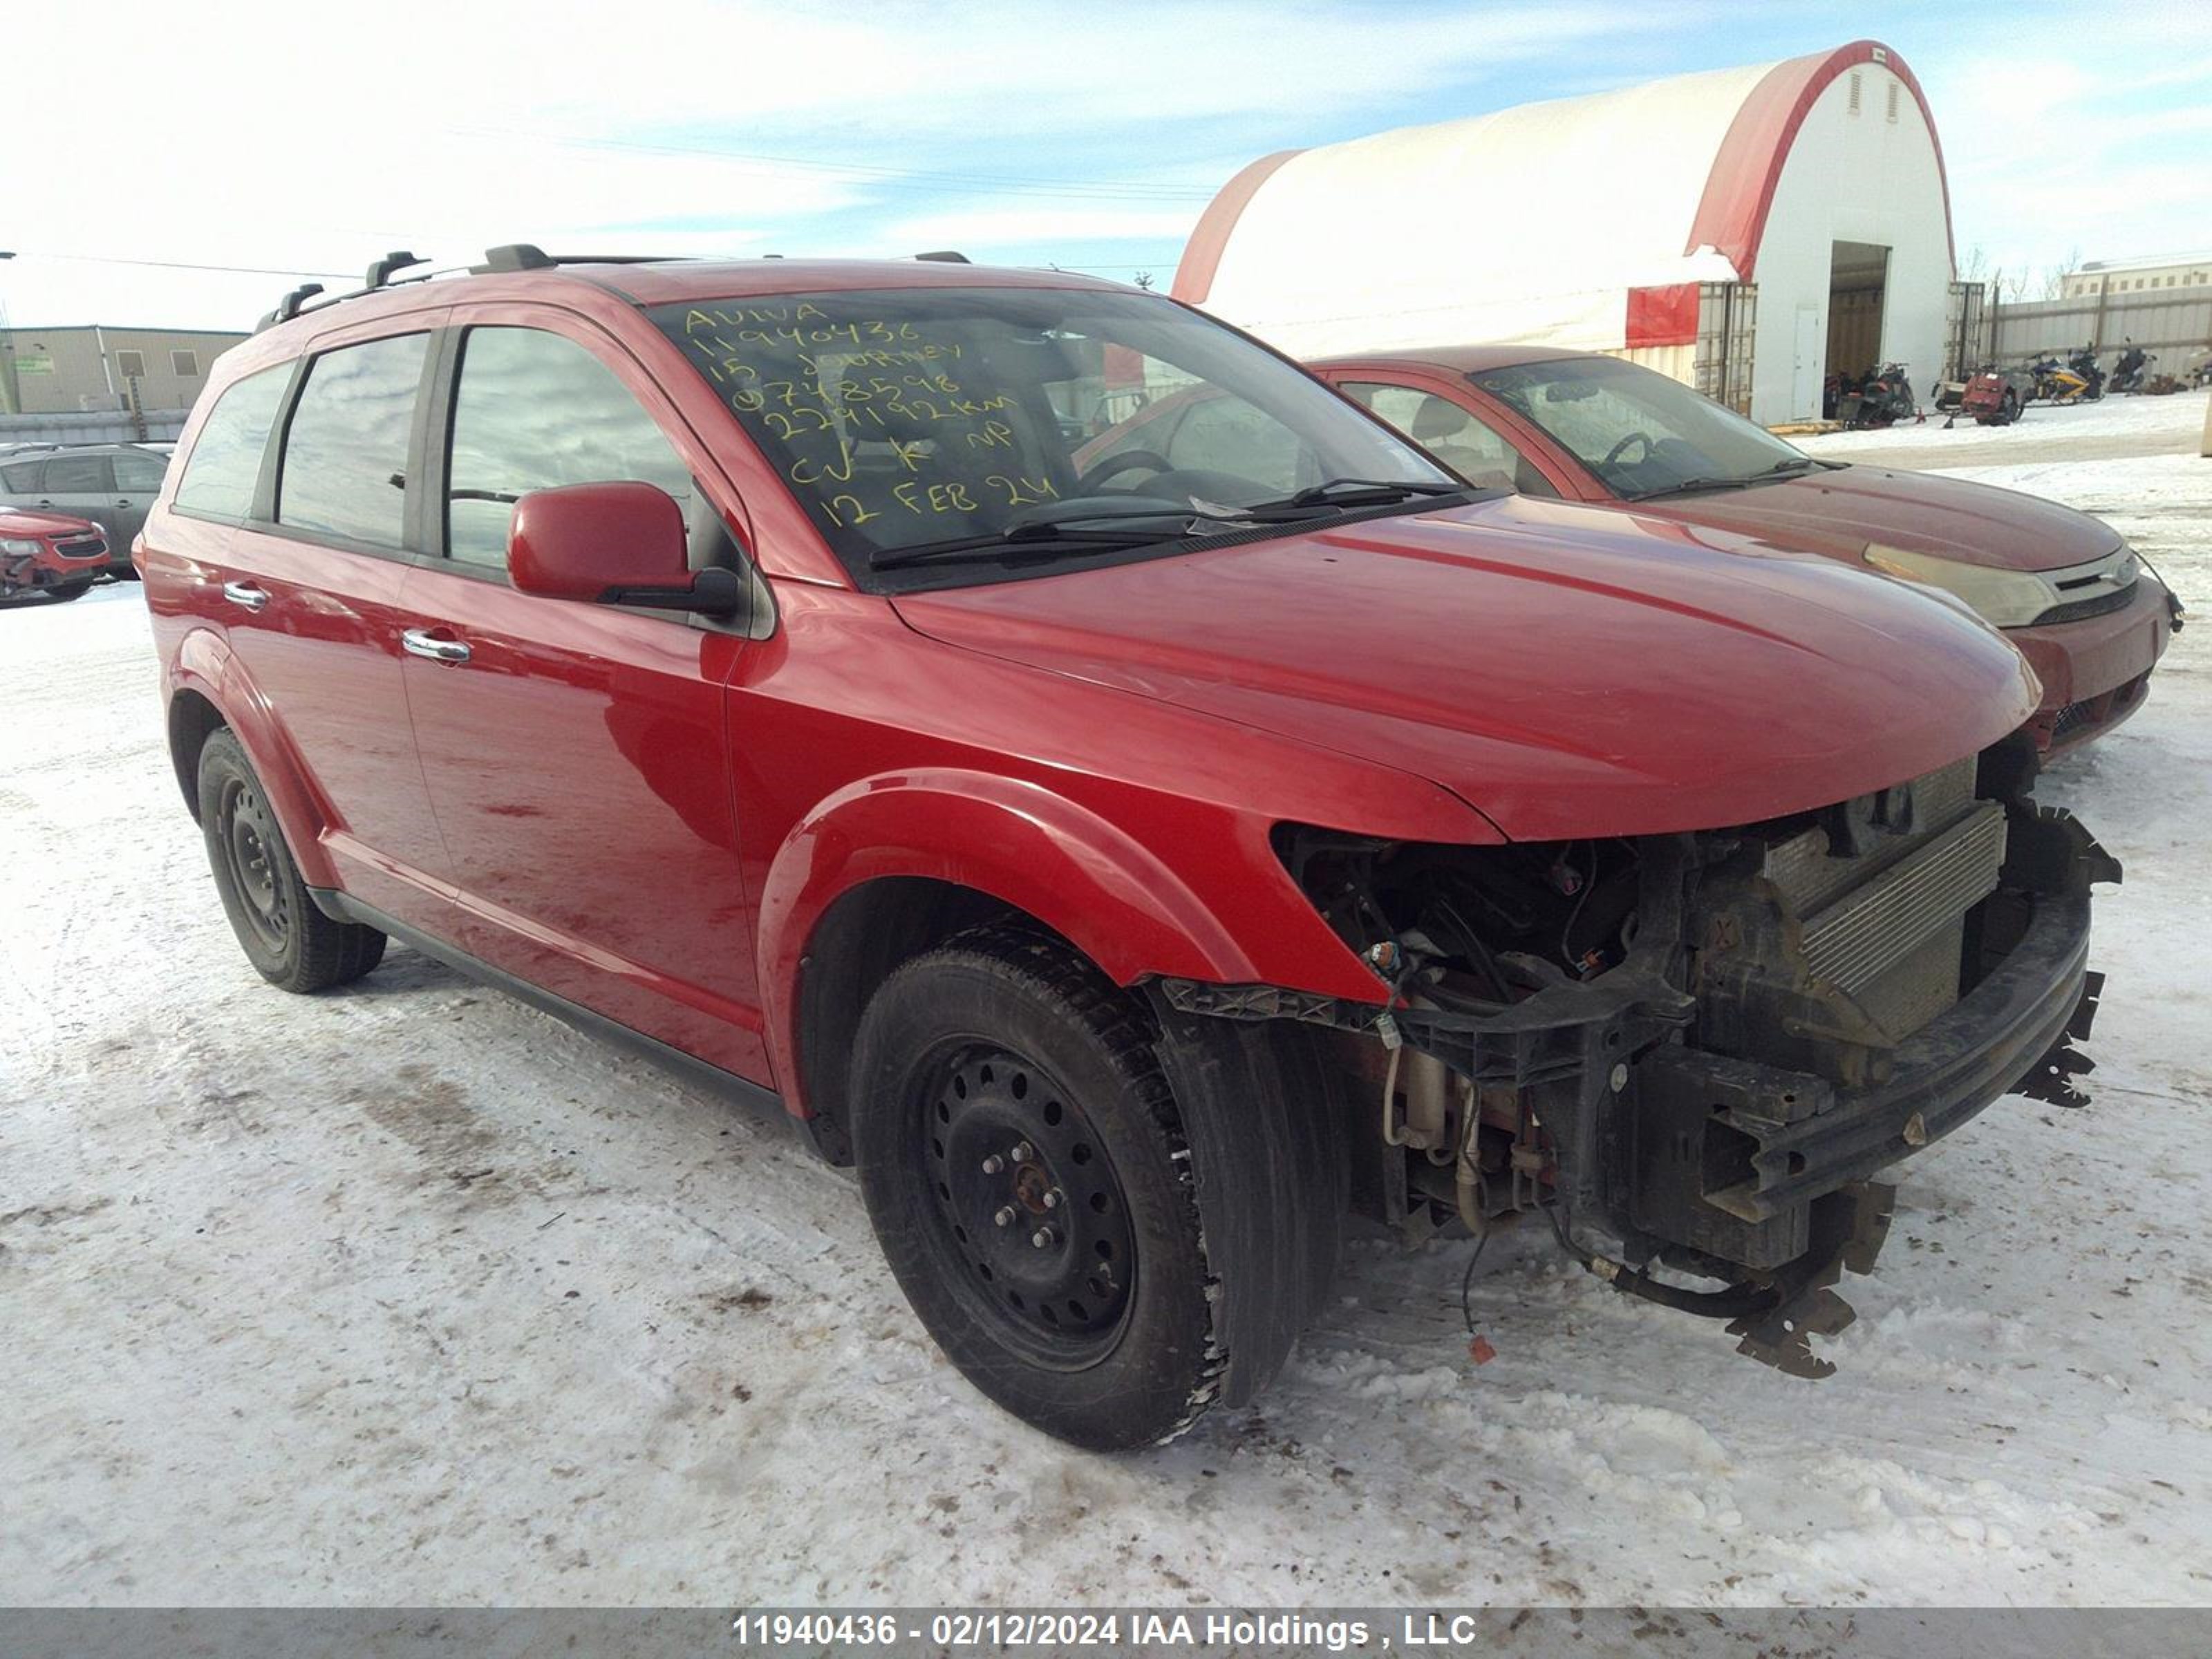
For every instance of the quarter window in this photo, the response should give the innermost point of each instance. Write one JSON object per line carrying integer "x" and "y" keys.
{"x": 225, "y": 465}
{"x": 23, "y": 479}
{"x": 536, "y": 410}
{"x": 345, "y": 470}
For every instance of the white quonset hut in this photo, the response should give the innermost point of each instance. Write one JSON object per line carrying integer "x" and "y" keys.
{"x": 1748, "y": 230}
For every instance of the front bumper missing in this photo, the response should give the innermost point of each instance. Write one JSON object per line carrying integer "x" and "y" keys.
{"x": 1725, "y": 1164}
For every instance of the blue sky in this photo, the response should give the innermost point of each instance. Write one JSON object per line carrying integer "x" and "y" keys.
{"x": 291, "y": 139}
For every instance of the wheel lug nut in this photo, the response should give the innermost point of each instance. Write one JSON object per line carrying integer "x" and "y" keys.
{"x": 1052, "y": 1199}
{"x": 1044, "y": 1238}
{"x": 1025, "y": 1152}
{"x": 1006, "y": 1216}
{"x": 993, "y": 1163}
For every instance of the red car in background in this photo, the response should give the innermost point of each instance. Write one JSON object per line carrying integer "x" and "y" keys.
{"x": 48, "y": 553}
{"x": 2084, "y": 609}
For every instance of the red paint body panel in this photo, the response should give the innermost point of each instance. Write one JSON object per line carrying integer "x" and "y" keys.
{"x": 650, "y": 817}
{"x": 1837, "y": 513}
{"x": 1565, "y": 673}
{"x": 581, "y": 780}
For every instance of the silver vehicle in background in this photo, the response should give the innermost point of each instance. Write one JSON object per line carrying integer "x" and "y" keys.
{"x": 110, "y": 485}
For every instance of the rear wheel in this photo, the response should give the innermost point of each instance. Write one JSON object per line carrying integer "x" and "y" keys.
{"x": 291, "y": 942}
{"x": 1023, "y": 1159}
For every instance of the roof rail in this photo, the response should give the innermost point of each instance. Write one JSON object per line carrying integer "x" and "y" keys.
{"x": 396, "y": 260}
{"x": 288, "y": 306}
{"x": 946, "y": 256}
{"x": 528, "y": 256}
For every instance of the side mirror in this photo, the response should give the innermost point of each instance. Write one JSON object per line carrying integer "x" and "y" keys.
{"x": 612, "y": 544}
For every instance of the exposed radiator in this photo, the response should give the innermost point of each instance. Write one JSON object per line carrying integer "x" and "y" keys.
{"x": 1869, "y": 930}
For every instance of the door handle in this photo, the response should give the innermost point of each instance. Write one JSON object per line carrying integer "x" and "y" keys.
{"x": 421, "y": 642}
{"x": 245, "y": 593}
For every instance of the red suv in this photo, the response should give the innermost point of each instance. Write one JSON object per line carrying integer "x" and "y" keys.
{"x": 1133, "y": 871}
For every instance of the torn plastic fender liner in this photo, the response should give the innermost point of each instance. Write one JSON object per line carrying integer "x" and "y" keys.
{"x": 1262, "y": 1115}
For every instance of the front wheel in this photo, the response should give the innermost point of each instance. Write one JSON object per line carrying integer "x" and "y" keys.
{"x": 288, "y": 940}
{"x": 1023, "y": 1159}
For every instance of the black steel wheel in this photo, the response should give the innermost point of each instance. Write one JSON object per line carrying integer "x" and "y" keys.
{"x": 287, "y": 938}
{"x": 1027, "y": 1205}
{"x": 1022, "y": 1160}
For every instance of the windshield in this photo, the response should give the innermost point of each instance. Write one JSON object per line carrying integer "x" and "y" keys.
{"x": 1639, "y": 431}
{"x": 1006, "y": 427}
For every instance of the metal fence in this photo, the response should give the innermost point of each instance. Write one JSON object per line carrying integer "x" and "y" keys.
{"x": 103, "y": 426}
{"x": 2175, "y": 323}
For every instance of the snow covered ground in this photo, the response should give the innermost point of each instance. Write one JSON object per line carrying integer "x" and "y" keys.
{"x": 407, "y": 1294}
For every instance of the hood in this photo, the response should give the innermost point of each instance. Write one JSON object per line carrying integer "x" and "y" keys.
{"x": 20, "y": 522}
{"x": 1567, "y": 670}
{"x": 1839, "y": 512}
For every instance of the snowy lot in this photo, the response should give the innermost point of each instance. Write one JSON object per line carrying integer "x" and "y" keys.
{"x": 407, "y": 1294}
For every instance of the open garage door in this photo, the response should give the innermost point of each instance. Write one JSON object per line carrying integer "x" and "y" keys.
{"x": 1858, "y": 280}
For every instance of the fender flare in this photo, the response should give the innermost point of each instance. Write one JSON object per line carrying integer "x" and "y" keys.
{"x": 205, "y": 663}
{"x": 1110, "y": 897}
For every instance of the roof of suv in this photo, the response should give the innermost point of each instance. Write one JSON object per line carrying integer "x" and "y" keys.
{"x": 672, "y": 282}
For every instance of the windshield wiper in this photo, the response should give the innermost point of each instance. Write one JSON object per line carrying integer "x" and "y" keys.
{"x": 1029, "y": 541}
{"x": 1050, "y": 538}
{"x": 1795, "y": 464}
{"x": 1357, "y": 492}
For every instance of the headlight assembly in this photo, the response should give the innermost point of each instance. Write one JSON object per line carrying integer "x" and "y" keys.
{"x": 16, "y": 550}
{"x": 2003, "y": 598}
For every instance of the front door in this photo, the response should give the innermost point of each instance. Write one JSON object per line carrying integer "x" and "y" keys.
{"x": 576, "y": 754}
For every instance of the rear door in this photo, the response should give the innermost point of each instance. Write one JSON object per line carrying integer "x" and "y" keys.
{"x": 576, "y": 754}
{"x": 138, "y": 474}
{"x": 310, "y": 588}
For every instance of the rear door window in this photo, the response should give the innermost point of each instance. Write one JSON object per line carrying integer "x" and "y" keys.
{"x": 79, "y": 475}
{"x": 344, "y": 468}
{"x": 536, "y": 410}
{"x": 225, "y": 466}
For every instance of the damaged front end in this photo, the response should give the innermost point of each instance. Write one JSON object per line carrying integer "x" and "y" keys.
{"x": 1698, "y": 1050}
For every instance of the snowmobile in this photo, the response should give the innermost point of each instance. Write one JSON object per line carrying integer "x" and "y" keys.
{"x": 2054, "y": 382}
{"x": 1883, "y": 398}
{"x": 2133, "y": 369}
{"x": 1993, "y": 397}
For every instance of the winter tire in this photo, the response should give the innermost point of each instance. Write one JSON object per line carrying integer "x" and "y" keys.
{"x": 1024, "y": 1160}
{"x": 291, "y": 942}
